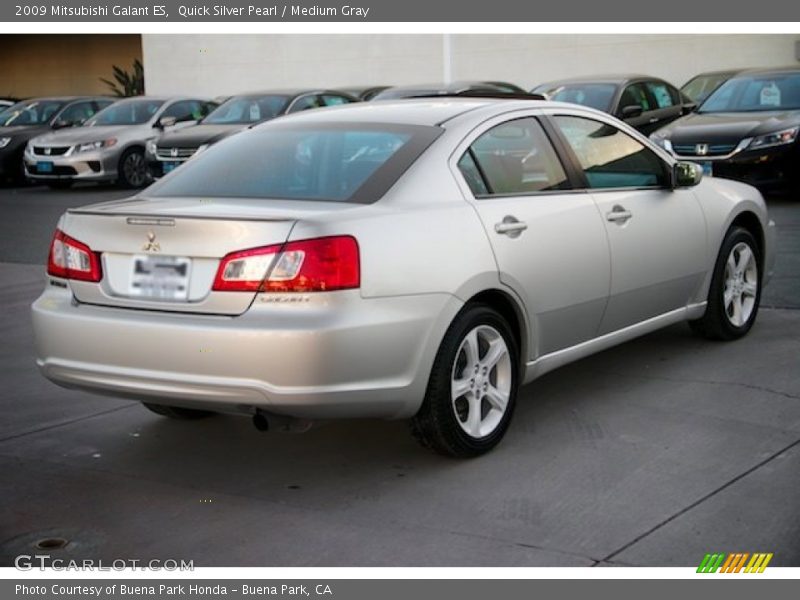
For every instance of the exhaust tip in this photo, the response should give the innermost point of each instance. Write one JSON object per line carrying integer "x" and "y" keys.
{"x": 260, "y": 422}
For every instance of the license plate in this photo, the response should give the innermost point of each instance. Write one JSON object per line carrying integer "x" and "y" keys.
{"x": 44, "y": 167}
{"x": 170, "y": 166}
{"x": 708, "y": 168}
{"x": 160, "y": 277}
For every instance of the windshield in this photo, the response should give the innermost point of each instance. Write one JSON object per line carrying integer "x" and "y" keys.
{"x": 30, "y": 112}
{"x": 777, "y": 91}
{"x": 594, "y": 95}
{"x": 699, "y": 88}
{"x": 127, "y": 112}
{"x": 248, "y": 109}
{"x": 332, "y": 162}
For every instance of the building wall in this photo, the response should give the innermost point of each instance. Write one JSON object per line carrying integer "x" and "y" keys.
{"x": 42, "y": 65}
{"x": 223, "y": 64}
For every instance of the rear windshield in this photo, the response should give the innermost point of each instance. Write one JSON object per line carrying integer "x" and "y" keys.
{"x": 248, "y": 109}
{"x": 333, "y": 162}
{"x": 127, "y": 112}
{"x": 36, "y": 112}
{"x": 777, "y": 91}
{"x": 594, "y": 95}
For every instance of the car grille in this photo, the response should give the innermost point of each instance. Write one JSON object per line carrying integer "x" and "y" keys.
{"x": 175, "y": 153}
{"x": 713, "y": 149}
{"x": 50, "y": 150}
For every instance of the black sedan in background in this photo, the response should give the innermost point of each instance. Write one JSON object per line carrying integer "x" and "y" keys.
{"x": 700, "y": 87}
{"x": 456, "y": 88}
{"x": 643, "y": 102}
{"x": 238, "y": 112}
{"x": 27, "y": 119}
{"x": 746, "y": 130}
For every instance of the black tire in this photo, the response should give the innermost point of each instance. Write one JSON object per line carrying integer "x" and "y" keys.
{"x": 717, "y": 323}
{"x": 132, "y": 169}
{"x": 177, "y": 412}
{"x": 60, "y": 184}
{"x": 436, "y": 426}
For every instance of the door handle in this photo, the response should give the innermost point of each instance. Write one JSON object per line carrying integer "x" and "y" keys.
{"x": 654, "y": 120}
{"x": 618, "y": 214}
{"x": 510, "y": 226}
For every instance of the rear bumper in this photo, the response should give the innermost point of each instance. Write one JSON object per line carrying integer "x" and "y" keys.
{"x": 334, "y": 355}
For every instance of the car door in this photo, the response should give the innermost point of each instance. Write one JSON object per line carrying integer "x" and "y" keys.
{"x": 548, "y": 239}
{"x": 656, "y": 234}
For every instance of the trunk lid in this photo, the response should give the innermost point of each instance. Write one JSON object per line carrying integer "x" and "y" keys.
{"x": 162, "y": 254}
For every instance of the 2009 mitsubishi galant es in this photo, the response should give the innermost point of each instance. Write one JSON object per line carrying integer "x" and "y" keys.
{"x": 417, "y": 259}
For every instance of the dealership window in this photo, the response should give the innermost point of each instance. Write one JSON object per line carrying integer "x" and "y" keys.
{"x": 609, "y": 157}
{"x": 513, "y": 158}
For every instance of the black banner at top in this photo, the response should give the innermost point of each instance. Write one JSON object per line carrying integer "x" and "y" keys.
{"x": 399, "y": 11}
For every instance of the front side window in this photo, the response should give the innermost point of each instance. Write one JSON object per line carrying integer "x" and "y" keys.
{"x": 127, "y": 112}
{"x": 305, "y": 103}
{"x": 333, "y": 162}
{"x": 186, "y": 110}
{"x": 513, "y": 158}
{"x": 78, "y": 113}
{"x": 661, "y": 93}
{"x": 609, "y": 157}
{"x": 334, "y": 100}
{"x": 635, "y": 95}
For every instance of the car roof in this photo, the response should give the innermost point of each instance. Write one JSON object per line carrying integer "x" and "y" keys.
{"x": 64, "y": 98}
{"x": 769, "y": 70}
{"x": 615, "y": 79}
{"x": 416, "y": 111}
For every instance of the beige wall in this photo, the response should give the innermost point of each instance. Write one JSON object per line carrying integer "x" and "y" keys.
{"x": 41, "y": 65}
{"x": 221, "y": 64}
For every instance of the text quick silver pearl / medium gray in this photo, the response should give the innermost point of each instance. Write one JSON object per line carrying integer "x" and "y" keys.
{"x": 415, "y": 259}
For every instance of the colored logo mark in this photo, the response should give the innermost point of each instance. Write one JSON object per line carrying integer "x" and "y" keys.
{"x": 735, "y": 562}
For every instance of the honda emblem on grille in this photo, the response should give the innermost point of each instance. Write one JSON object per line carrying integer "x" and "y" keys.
{"x": 173, "y": 152}
{"x": 152, "y": 245}
{"x": 701, "y": 149}
{"x": 47, "y": 151}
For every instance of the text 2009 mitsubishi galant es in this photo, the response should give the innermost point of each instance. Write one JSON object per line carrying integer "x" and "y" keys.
{"x": 417, "y": 259}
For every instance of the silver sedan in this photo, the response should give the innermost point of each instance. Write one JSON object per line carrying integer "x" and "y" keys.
{"x": 418, "y": 259}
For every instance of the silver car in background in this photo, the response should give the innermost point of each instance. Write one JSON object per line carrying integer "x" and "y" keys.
{"x": 416, "y": 260}
{"x": 110, "y": 147}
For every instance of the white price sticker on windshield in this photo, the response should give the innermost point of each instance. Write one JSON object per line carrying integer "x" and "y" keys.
{"x": 770, "y": 95}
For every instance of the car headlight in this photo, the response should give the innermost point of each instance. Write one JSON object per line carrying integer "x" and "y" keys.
{"x": 150, "y": 147}
{"x": 4, "y": 141}
{"x": 89, "y": 146}
{"x": 779, "y": 138}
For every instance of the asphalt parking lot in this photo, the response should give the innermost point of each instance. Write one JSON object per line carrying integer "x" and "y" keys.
{"x": 652, "y": 453}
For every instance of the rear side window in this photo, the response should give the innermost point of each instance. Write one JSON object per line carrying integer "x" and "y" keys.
{"x": 609, "y": 157}
{"x": 513, "y": 158}
{"x": 331, "y": 162}
{"x": 305, "y": 102}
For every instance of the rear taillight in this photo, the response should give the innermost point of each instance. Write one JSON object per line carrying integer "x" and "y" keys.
{"x": 318, "y": 265}
{"x": 72, "y": 259}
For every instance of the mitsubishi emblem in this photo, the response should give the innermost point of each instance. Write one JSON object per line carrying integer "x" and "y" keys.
{"x": 152, "y": 245}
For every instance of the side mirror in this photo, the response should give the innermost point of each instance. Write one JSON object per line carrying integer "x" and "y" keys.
{"x": 165, "y": 122}
{"x": 687, "y": 174}
{"x": 631, "y": 111}
{"x": 689, "y": 108}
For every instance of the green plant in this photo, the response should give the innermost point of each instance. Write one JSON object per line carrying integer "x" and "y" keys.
{"x": 127, "y": 84}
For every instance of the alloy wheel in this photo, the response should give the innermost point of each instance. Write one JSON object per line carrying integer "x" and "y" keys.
{"x": 741, "y": 284}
